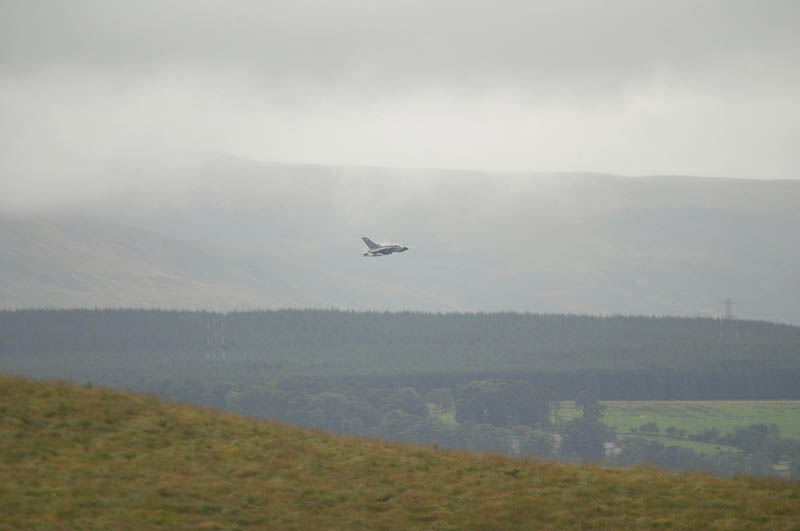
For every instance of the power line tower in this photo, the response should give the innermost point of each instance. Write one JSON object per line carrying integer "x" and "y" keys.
{"x": 728, "y": 311}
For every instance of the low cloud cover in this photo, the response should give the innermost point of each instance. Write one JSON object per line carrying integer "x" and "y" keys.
{"x": 95, "y": 96}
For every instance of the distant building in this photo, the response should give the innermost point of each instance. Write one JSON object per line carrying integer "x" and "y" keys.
{"x": 611, "y": 448}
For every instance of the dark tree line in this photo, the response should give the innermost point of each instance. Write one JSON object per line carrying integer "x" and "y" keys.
{"x": 757, "y": 448}
{"x": 615, "y": 358}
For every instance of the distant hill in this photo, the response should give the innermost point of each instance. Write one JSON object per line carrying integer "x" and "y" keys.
{"x": 249, "y": 235}
{"x": 93, "y": 458}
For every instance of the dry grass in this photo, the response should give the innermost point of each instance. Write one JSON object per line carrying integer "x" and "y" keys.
{"x": 94, "y": 458}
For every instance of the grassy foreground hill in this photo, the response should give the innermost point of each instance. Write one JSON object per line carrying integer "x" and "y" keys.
{"x": 74, "y": 457}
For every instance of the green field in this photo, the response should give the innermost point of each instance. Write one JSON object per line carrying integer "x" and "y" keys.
{"x": 696, "y": 416}
{"x": 448, "y": 416}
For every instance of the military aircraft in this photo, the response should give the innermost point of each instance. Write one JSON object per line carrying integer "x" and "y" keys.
{"x": 381, "y": 250}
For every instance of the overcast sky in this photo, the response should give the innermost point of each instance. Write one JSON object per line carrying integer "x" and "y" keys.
{"x": 89, "y": 90}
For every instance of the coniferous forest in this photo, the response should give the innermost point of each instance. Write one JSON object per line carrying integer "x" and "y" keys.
{"x": 475, "y": 381}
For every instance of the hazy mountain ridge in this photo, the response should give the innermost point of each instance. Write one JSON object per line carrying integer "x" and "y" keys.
{"x": 75, "y": 262}
{"x": 244, "y": 234}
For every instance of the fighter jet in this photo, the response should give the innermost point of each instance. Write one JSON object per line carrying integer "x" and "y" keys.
{"x": 381, "y": 250}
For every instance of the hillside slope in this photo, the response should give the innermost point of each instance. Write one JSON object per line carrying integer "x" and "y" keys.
{"x": 55, "y": 262}
{"x": 92, "y": 458}
{"x": 247, "y": 235}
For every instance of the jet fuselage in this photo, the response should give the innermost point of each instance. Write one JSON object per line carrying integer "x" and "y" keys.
{"x": 382, "y": 250}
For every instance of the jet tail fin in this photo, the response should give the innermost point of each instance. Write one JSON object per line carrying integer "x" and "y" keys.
{"x": 371, "y": 244}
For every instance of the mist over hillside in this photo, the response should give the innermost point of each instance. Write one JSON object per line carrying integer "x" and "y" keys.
{"x": 239, "y": 234}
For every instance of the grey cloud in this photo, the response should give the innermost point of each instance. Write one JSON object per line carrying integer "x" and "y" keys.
{"x": 94, "y": 94}
{"x": 567, "y": 44}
